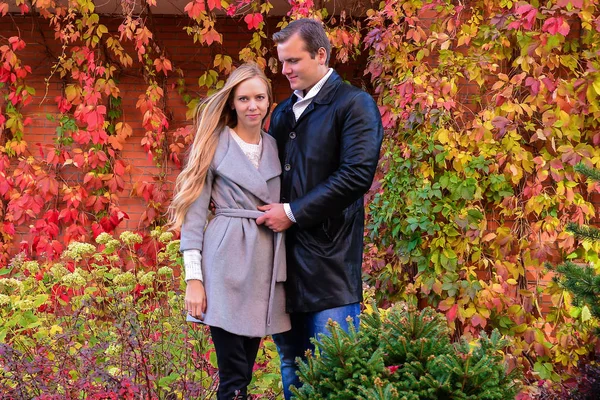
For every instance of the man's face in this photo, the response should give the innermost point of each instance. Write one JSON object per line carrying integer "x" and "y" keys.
{"x": 302, "y": 71}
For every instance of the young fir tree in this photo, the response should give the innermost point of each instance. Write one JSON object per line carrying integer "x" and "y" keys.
{"x": 404, "y": 353}
{"x": 583, "y": 281}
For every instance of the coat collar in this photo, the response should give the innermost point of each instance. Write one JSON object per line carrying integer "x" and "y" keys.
{"x": 327, "y": 92}
{"x": 325, "y": 95}
{"x": 233, "y": 164}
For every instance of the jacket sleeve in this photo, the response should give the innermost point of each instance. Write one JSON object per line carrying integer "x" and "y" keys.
{"x": 360, "y": 144}
{"x": 192, "y": 230}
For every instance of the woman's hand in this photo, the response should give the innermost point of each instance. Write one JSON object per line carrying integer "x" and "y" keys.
{"x": 195, "y": 298}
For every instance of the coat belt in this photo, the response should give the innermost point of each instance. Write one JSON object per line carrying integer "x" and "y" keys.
{"x": 278, "y": 248}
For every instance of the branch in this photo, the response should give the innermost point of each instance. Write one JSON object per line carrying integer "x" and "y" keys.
{"x": 591, "y": 173}
{"x": 586, "y": 233}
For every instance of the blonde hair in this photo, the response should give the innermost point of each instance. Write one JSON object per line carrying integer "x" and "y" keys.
{"x": 212, "y": 115}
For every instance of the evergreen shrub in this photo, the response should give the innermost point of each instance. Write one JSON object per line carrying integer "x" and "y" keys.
{"x": 405, "y": 353}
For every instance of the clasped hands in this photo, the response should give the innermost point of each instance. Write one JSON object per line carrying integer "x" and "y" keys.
{"x": 274, "y": 217}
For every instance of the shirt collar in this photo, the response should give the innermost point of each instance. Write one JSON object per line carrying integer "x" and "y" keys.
{"x": 315, "y": 89}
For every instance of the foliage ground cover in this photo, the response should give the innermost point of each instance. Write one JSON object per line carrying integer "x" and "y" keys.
{"x": 96, "y": 324}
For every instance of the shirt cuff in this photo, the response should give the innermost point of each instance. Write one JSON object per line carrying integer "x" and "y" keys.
{"x": 288, "y": 212}
{"x": 192, "y": 263}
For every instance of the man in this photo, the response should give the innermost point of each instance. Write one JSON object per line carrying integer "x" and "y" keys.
{"x": 329, "y": 136}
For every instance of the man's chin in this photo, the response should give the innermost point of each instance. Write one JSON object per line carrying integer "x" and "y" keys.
{"x": 296, "y": 86}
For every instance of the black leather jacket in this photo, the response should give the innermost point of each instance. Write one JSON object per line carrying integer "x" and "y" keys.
{"x": 329, "y": 157}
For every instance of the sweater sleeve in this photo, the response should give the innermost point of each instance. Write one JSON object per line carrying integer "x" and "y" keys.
{"x": 192, "y": 263}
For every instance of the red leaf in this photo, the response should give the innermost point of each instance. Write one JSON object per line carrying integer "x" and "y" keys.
{"x": 9, "y": 228}
{"x": 528, "y": 13}
{"x": 212, "y": 36}
{"x": 119, "y": 168}
{"x": 194, "y": 8}
{"x": 575, "y": 3}
{"x": 556, "y": 25}
{"x": 451, "y": 314}
{"x": 212, "y": 4}
{"x": 96, "y": 229}
{"x": 253, "y": 20}
{"x": 477, "y": 319}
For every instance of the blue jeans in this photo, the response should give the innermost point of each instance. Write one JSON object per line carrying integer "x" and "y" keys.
{"x": 295, "y": 342}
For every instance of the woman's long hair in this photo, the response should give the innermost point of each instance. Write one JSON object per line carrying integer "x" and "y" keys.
{"x": 212, "y": 115}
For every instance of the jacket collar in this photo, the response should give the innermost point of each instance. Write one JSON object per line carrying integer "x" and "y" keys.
{"x": 325, "y": 96}
{"x": 327, "y": 92}
{"x": 235, "y": 165}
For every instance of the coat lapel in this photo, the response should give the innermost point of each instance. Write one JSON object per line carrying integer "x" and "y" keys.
{"x": 269, "y": 166}
{"x": 325, "y": 95}
{"x": 236, "y": 167}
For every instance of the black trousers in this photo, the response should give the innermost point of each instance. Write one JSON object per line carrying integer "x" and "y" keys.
{"x": 235, "y": 359}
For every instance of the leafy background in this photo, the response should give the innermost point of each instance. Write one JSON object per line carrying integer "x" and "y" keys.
{"x": 487, "y": 107}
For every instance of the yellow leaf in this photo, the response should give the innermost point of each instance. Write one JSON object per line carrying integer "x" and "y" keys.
{"x": 442, "y": 136}
{"x": 54, "y": 329}
{"x": 101, "y": 30}
{"x": 596, "y": 85}
{"x": 586, "y": 315}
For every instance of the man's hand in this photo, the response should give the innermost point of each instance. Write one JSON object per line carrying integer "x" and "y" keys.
{"x": 274, "y": 217}
{"x": 195, "y": 298}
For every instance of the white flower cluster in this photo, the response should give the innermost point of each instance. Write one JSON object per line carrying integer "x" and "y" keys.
{"x": 165, "y": 237}
{"x": 4, "y": 300}
{"x": 146, "y": 278}
{"x": 77, "y": 250}
{"x": 124, "y": 279}
{"x": 32, "y": 266}
{"x": 130, "y": 238}
{"x": 103, "y": 238}
{"x": 10, "y": 285}
{"x": 58, "y": 271}
{"x": 165, "y": 271}
{"x": 25, "y": 304}
{"x": 111, "y": 246}
{"x": 74, "y": 279}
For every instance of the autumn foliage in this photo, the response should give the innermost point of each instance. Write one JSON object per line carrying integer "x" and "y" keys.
{"x": 487, "y": 105}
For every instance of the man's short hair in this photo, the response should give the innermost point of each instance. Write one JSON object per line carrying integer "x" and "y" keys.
{"x": 310, "y": 31}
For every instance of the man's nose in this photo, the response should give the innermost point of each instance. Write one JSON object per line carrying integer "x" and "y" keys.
{"x": 286, "y": 69}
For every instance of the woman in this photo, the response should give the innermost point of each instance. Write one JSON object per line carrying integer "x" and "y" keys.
{"x": 234, "y": 269}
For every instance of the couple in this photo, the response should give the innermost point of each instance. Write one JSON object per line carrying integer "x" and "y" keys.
{"x": 307, "y": 179}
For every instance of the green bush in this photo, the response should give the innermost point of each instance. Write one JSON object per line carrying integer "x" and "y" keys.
{"x": 404, "y": 353}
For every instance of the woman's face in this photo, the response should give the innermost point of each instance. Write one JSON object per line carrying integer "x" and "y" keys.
{"x": 251, "y": 103}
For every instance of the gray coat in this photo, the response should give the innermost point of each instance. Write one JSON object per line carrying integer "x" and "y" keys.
{"x": 243, "y": 264}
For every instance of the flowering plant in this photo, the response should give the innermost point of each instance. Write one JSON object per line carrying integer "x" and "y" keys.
{"x": 102, "y": 321}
